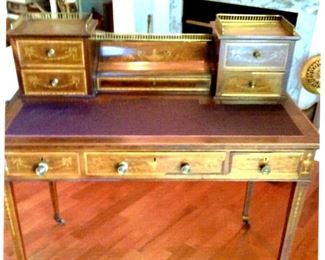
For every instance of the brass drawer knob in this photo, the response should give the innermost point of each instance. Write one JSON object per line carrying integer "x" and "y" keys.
{"x": 265, "y": 169}
{"x": 251, "y": 84}
{"x": 122, "y": 168}
{"x": 54, "y": 82}
{"x": 41, "y": 169}
{"x": 257, "y": 54}
{"x": 185, "y": 168}
{"x": 50, "y": 53}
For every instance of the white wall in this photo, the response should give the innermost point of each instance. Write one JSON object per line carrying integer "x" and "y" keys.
{"x": 123, "y": 15}
{"x": 130, "y": 16}
{"x": 307, "y": 99}
{"x": 142, "y": 8}
{"x": 161, "y": 16}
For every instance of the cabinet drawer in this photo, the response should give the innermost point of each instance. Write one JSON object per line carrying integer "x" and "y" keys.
{"x": 279, "y": 165}
{"x": 251, "y": 84}
{"x": 194, "y": 84}
{"x": 256, "y": 54}
{"x": 154, "y": 164}
{"x": 25, "y": 164}
{"x": 54, "y": 82}
{"x": 44, "y": 53}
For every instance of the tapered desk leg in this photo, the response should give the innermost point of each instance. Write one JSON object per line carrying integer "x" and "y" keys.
{"x": 248, "y": 198}
{"x": 55, "y": 203}
{"x": 12, "y": 213}
{"x": 296, "y": 202}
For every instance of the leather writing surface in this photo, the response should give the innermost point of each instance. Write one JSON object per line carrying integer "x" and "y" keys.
{"x": 150, "y": 117}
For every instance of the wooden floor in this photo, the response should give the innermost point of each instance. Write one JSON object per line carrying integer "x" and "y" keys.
{"x": 165, "y": 220}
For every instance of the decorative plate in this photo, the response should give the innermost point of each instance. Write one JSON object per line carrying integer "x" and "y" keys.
{"x": 310, "y": 75}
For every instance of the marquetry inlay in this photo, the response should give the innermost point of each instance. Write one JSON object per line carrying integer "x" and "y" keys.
{"x": 36, "y": 82}
{"x": 307, "y": 164}
{"x": 9, "y": 214}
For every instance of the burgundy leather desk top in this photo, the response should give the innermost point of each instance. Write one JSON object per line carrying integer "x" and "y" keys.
{"x": 150, "y": 117}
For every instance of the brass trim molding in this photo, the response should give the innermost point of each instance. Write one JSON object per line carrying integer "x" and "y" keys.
{"x": 57, "y": 16}
{"x": 247, "y": 18}
{"x": 182, "y": 37}
{"x": 222, "y": 19}
{"x": 310, "y": 75}
{"x": 51, "y": 16}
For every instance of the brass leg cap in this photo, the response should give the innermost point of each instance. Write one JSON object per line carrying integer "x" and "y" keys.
{"x": 58, "y": 219}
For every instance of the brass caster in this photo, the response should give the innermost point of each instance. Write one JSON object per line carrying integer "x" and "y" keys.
{"x": 58, "y": 219}
{"x": 246, "y": 222}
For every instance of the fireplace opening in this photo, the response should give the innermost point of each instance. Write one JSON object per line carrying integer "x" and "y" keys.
{"x": 201, "y": 12}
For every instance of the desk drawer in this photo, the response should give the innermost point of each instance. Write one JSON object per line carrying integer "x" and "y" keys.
{"x": 44, "y": 53}
{"x": 54, "y": 82}
{"x": 256, "y": 54}
{"x": 172, "y": 84}
{"x": 154, "y": 164}
{"x": 251, "y": 84}
{"x": 279, "y": 165}
{"x": 59, "y": 164}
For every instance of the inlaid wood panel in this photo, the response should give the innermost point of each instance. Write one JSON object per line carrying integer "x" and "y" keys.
{"x": 48, "y": 52}
{"x": 251, "y": 83}
{"x": 127, "y": 51}
{"x": 53, "y": 82}
{"x": 281, "y": 165}
{"x": 59, "y": 164}
{"x": 257, "y": 55}
{"x": 153, "y": 164}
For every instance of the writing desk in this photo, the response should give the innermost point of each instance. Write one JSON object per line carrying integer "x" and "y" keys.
{"x": 158, "y": 138}
{"x": 103, "y": 106}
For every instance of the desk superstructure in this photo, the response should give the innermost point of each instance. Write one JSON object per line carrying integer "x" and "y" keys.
{"x": 103, "y": 106}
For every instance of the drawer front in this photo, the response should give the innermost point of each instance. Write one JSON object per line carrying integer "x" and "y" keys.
{"x": 259, "y": 55}
{"x": 154, "y": 164}
{"x": 44, "y": 53}
{"x": 280, "y": 165}
{"x": 25, "y": 163}
{"x": 251, "y": 84}
{"x": 199, "y": 84}
{"x": 54, "y": 82}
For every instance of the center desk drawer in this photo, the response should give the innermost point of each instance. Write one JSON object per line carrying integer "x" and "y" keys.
{"x": 171, "y": 84}
{"x": 257, "y": 55}
{"x": 154, "y": 163}
{"x": 278, "y": 165}
{"x": 44, "y": 53}
{"x": 51, "y": 164}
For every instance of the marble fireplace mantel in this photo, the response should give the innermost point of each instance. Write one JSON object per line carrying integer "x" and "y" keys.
{"x": 307, "y": 14}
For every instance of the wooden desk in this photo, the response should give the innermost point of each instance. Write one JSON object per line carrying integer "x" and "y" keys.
{"x": 99, "y": 106}
{"x": 158, "y": 138}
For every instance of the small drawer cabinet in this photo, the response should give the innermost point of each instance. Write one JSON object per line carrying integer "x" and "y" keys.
{"x": 53, "y": 54}
{"x": 254, "y": 56}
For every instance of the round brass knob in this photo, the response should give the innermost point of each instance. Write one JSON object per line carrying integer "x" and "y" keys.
{"x": 54, "y": 82}
{"x": 265, "y": 169}
{"x": 257, "y": 54}
{"x": 50, "y": 53}
{"x": 185, "y": 168}
{"x": 122, "y": 168}
{"x": 251, "y": 84}
{"x": 41, "y": 169}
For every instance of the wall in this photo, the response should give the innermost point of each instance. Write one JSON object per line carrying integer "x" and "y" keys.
{"x": 131, "y": 16}
{"x": 87, "y": 5}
